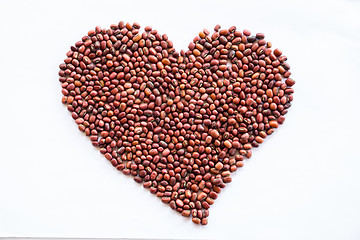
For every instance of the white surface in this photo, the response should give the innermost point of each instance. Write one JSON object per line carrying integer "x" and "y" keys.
{"x": 302, "y": 183}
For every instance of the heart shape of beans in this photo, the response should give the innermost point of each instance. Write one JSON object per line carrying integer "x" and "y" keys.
{"x": 178, "y": 123}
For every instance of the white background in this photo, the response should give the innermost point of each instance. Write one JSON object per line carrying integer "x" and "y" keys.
{"x": 302, "y": 183}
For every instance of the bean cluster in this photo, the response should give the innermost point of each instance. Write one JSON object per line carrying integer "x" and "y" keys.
{"x": 179, "y": 123}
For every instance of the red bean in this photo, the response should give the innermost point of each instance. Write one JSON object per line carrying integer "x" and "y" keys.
{"x": 179, "y": 123}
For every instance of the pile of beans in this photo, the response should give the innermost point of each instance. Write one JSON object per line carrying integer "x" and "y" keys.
{"x": 179, "y": 123}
